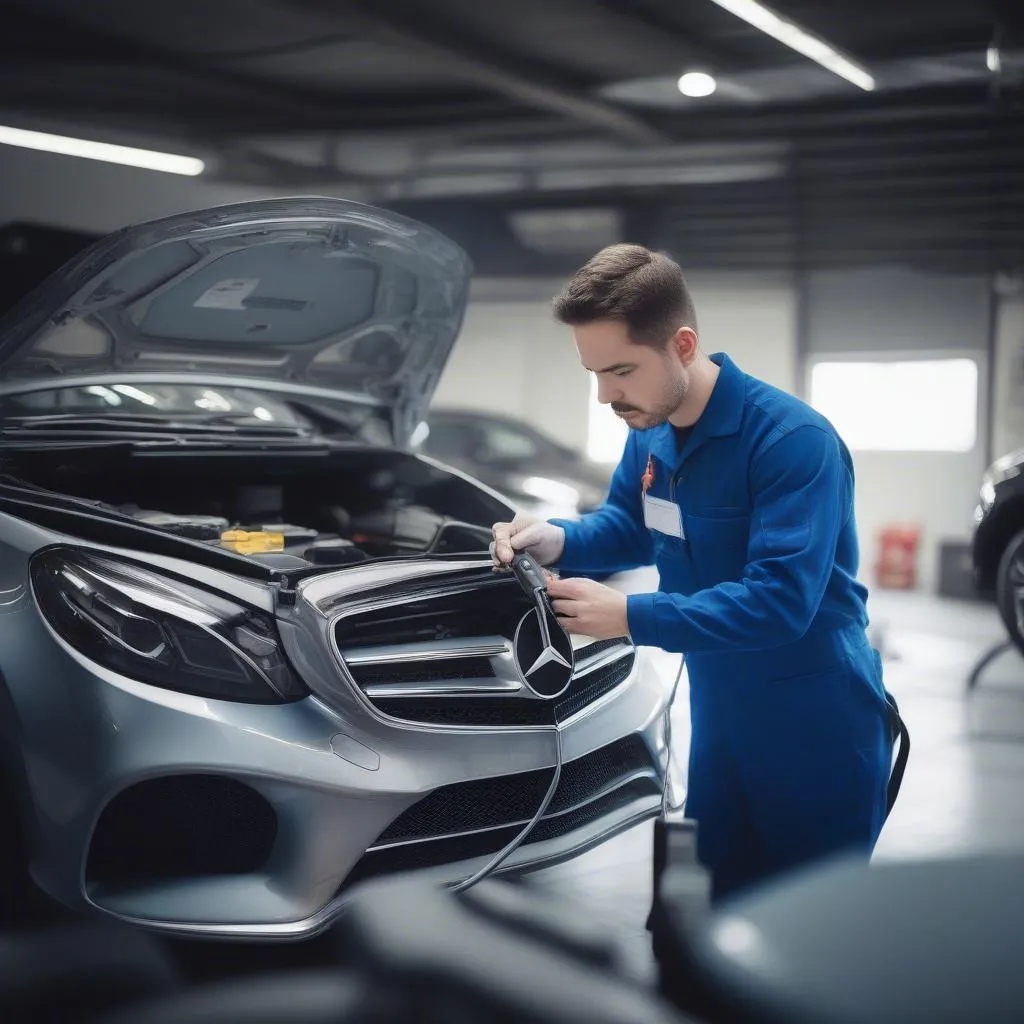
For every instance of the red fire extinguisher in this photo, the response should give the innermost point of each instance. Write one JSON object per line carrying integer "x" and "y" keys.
{"x": 896, "y": 568}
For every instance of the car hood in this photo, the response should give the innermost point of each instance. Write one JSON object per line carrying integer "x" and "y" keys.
{"x": 317, "y": 293}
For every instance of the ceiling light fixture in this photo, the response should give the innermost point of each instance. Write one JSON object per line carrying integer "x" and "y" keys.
{"x": 797, "y": 39}
{"x": 993, "y": 60}
{"x": 66, "y": 146}
{"x": 697, "y": 84}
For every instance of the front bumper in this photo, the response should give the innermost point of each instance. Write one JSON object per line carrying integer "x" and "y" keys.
{"x": 334, "y": 780}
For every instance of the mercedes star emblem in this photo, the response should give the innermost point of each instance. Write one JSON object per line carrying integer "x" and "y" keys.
{"x": 544, "y": 654}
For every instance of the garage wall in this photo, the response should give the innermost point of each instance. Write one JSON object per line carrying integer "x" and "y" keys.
{"x": 511, "y": 356}
{"x": 514, "y": 358}
{"x": 892, "y": 311}
{"x": 1008, "y": 420}
{"x": 88, "y": 195}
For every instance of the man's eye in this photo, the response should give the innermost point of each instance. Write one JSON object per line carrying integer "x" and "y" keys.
{"x": 623, "y": 373}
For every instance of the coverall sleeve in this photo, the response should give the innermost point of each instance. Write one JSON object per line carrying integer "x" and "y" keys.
{"x": 614, "y": 538}
{"x": 802, "y": 492}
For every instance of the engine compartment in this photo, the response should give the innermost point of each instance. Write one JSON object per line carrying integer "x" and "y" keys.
{"x": 287, "y": 509}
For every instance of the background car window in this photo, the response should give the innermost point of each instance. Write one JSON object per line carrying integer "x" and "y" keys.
{"x": 453, "y": 440}
{"x": 503, "y": 443}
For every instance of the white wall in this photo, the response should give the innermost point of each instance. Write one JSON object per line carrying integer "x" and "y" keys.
{"x": 514, "y": 358}
{"x": 511, "y": 358}
{"x": 892, "y": 311}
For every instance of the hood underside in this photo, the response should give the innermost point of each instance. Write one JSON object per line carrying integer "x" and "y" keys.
{"x": 320, "y": 293}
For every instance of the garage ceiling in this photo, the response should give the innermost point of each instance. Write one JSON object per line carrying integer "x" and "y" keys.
{"x": 536, "y": 130}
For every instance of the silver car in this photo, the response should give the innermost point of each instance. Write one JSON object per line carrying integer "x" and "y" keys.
{"x": 252, "y": 649}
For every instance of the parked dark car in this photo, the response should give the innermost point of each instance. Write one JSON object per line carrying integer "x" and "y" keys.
{"x": 997, "y": 548}
{"x": 530, "y": 468}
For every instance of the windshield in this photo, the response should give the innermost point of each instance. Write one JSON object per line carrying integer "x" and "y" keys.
{"x": 177, "y": 406}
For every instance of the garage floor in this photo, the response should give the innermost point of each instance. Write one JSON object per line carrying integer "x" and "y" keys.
{"x": 963, "y": 787}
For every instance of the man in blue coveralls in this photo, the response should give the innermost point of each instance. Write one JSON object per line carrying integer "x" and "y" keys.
{"x": 743, "y": 496}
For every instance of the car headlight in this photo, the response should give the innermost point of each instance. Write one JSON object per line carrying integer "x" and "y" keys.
{"x": 162, "y": 631}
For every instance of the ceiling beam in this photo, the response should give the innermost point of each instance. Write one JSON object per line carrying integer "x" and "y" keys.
{"x": 894, "y": 116}
{"x": 487, "y": 70}
{"x": 660, "y": 21}
{"x": 86, "y": 49}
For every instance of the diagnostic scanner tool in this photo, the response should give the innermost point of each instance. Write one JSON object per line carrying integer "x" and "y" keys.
{"x": 542, "y": 648}
{"x": 529, "y": 573}
{"x": 535, "y": 585}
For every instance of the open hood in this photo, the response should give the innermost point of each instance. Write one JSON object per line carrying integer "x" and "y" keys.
{"x": 309, "y": 293}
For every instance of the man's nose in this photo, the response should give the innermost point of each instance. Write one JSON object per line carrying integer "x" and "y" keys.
{"x": 607, "y": 392}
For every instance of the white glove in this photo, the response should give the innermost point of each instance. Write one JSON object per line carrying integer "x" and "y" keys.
{"x": 540, "y": 538}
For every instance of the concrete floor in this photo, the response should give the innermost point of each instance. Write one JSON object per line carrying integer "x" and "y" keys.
{"x": 962, "y": 790}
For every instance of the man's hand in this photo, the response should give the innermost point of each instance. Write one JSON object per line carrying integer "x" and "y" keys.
{"x": 589, "y": 608}
{"x": 541, "y": 539}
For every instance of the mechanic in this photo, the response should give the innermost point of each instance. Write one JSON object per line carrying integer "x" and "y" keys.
{"x": 743, "y": 496}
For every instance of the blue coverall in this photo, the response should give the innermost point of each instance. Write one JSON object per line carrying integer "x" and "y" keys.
{"x": 790, "y": 746}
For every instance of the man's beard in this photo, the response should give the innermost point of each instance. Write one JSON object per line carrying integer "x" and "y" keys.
{"x": 643, "y": 419}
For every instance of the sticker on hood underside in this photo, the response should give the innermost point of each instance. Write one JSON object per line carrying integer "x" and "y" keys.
{"x": 229, "y": 294}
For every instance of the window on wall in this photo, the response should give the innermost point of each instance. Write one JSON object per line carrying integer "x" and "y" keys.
{"x": 919, "y": 405}
{"x": 606, "y": 433}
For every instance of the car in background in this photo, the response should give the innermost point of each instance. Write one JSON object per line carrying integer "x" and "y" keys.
{"x": 997, "y": 544}
{"x": 253, "y": 649}
{"x": 534, "y": 471}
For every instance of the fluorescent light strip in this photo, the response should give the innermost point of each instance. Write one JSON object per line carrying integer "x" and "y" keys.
{"x": 67, "y": 146}
{"x": 797, "y": 39}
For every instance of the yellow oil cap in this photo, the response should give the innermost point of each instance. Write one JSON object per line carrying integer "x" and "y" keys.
{"x": 252, "y": 542}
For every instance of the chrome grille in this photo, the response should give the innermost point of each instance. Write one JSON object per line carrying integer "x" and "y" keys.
{"x": 445, "y": 658}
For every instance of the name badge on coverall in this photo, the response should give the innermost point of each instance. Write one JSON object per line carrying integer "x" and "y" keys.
{"x": 663, "y": 516}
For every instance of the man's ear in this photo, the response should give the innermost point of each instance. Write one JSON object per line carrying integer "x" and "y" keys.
{"x": 686, "y": 344}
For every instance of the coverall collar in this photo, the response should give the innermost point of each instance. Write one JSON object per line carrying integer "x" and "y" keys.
{"x": 722, "y": 416}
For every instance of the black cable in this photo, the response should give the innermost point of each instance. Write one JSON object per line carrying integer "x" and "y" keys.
{"x": 493, "y": 864}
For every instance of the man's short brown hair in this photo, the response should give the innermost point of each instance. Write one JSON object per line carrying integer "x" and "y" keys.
{"x": 645, "y": 290}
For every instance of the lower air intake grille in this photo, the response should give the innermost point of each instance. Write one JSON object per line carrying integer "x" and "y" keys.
{"x": 514, "y": 799}
{"x": 452, "y": 849}
{"x": 181, "y": 826}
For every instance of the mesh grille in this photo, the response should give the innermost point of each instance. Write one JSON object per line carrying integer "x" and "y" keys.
{"x": 563, "y": 824}
{"x": 432, "y": 853}
{"x": 510, "y": 799}
{"x": 597, "y": 647}
{"x": 423, "y": 671}
{"x": 592, "y": 687}
{"x": 494, "y": 711}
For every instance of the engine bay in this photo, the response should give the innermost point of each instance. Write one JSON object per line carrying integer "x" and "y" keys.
{"x": 286, "y": 510}
{"x": 412, "y": 530}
